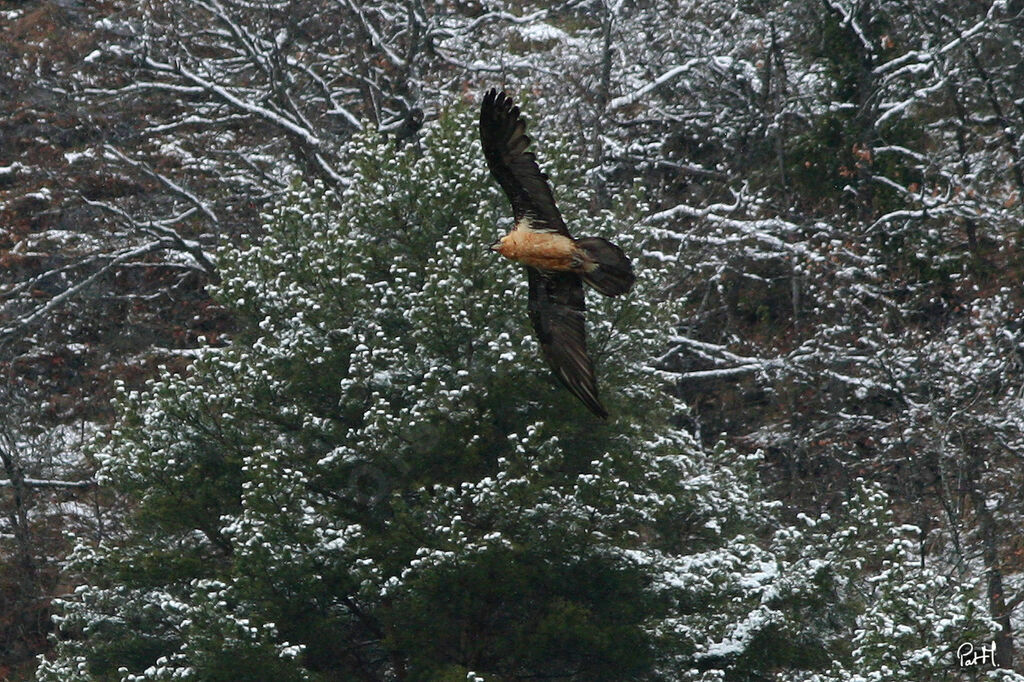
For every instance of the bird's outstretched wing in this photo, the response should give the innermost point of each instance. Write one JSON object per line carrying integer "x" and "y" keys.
{"x": 556, "y": 311}
{"x": 505, "y": 142}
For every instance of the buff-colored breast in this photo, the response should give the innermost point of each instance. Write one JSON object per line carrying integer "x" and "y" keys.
{"x": 543, "y": 250}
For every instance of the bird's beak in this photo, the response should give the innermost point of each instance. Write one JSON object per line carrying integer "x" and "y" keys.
{"x": 495, "y": 246}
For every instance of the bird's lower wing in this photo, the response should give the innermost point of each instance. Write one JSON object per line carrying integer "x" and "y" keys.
{"x": 557, "y": 307}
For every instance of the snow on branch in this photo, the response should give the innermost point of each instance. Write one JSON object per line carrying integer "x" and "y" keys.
{"x": 375, "y": 38}
{"x": 720, "y": 373}
{"x": 338, "y": 110}
{"x": 220, "y": 91}
{"x": 794, "y": 362}
{"x": 303, "y": 133}
{"x": 917, "y": 58}
{"x": 499, "y": 15}
{"x": 714, "y": 351}
{"x": 974, "y": 30}
{"x": 165, "y": 181}
{"x": 761, "y": 229}
{"x": 240, "y": 35}
{"x": 162, "y": 230}
{"x": 22, "y": 322}
{"x": 47, "y": 483}
{"x": 674, "y": 72}
{"x": 852, "y": 22}
{"x": 891, "y": 109}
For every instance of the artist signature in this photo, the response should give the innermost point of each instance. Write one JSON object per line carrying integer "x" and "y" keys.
{"x": 969, "y": 656}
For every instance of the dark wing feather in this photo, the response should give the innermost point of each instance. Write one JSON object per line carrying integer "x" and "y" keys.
{"x": 556, "y": 311}
{"x": 504, "y": 139}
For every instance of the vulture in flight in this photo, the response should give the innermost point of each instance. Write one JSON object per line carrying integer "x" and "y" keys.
{"x": 557, "y": 264}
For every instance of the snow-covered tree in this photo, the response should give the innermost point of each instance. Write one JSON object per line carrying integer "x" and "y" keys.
{"x": 378, "y": 476}
{"x": 908, "y": 613}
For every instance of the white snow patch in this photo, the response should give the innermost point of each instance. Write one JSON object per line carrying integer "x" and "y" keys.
{"x": 43, "y": 194}
{"x": 71, "y": 157}
{"x": 541, "y": 32}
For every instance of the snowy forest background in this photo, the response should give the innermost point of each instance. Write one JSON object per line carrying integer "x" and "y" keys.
{"x": 271, "y": 411}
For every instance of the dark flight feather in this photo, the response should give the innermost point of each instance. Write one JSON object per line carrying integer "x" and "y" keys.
{"x": 505, "y": 142}
{"x": 556, "y": 310}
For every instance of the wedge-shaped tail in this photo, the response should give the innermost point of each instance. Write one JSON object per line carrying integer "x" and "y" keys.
{"x": 609, "y": 271}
